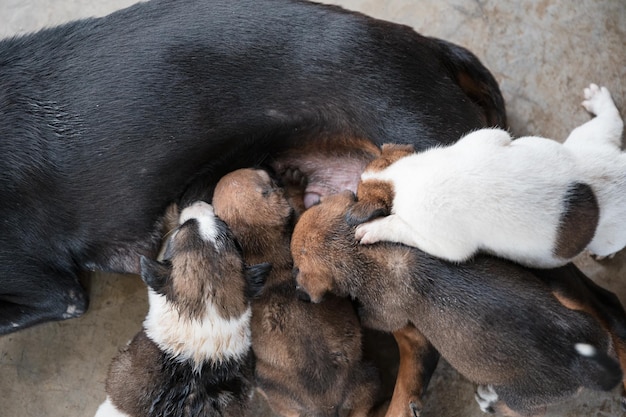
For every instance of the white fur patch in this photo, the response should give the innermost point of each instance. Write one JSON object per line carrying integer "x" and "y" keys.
{"x": 454, "y": 201}
{"x": 107, "y": 409}
{"x": 205, "y": 216}
{"x": 585, "y": 350}
{"x": 210, "y": 338}
{"x": 486, "y": 397}
{"x": 70, "y": 311}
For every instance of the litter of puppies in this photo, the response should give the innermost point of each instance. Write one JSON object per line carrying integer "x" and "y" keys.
{"x": 291, "y": 324}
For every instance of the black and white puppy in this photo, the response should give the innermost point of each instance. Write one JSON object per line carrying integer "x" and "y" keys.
{"x": 532, "y": 199}
{"x": 125, "y": 113}
{"x": 193, "y": 356}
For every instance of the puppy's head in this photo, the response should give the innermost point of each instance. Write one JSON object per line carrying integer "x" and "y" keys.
{"x": 201, "y": 264}
{"x": 375, "y": 196}
{"x": 256, "y": 210}
{"x": 323, "y": 248}
{"x": 200, "y": 289}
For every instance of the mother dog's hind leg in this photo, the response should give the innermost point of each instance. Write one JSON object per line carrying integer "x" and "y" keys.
{"x": 30, "y": 295}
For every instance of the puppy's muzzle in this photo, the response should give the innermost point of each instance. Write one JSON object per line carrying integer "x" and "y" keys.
{"x": 302, "y": 294}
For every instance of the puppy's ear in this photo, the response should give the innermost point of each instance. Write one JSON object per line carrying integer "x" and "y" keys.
{"x": 374, "y": 199}
{"x": 312, "y": 287}
{"x": 255, "y": 277}
{"x": 154, "y": 273}
{"x": 365, "y": 211}
{"x": 170, "y": 219}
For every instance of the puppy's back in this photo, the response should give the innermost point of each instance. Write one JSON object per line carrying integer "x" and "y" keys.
{"x": 488, "y": 193}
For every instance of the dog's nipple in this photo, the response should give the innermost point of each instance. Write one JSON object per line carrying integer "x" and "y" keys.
{"x": 311, "y": 199}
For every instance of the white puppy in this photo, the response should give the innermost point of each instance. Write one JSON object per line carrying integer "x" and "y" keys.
{"x": 531, "y": 200}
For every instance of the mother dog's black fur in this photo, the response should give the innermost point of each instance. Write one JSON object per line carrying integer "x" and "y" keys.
{"x": 103, "y": 122}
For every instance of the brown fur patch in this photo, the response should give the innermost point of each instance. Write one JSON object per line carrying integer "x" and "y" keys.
{"x": 349, "y": 146}
{"x": 168, "y": 223}
{"x": 578, "y": 221}
{"x": 258, "y": 214}
{"x": 202, "y": 275}
{"x": 573, "y": 304}
{"x": 390, "y": 153}
{"x": 128, "y": 373}
{"x": 479, "y": 93}
{"x": 375, "y": 197}
{"x": 312, "y": 244}
{"x": 170, "y": 218}
{"x": 418, "y": 359}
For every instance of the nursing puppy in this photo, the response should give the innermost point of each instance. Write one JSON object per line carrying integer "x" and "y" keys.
{"x": 308, "y": 356}
{"x": 126, "y": 113}
{"x": 531, "y": 200}
{"x": 498, "y": 324}
{"x": 193, "y": 356}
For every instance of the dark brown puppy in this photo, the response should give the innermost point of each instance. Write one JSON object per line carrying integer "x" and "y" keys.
{"x": 309, "y": 358}
{"x": 193, "y": 356}
{"x": 498, "y": 324}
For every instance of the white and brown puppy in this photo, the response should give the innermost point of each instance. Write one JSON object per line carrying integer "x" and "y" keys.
{"x": 193, "y": 355}
{"x": 531, "y": 200}
{"x": 309, "y": 359}
{"x": 499, "y": 324}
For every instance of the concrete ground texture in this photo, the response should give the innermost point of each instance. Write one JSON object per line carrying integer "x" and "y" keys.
{"x": 542, "y": 52}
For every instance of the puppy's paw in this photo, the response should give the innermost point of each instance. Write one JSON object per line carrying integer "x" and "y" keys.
{"x": 294, "y": 183}
{"x": 599, "y": 258}
{"x": 415, "y": 409}
{"x": 293, "y": 177}
{"x": 486, "y": 398}
{"x": 366, "y": 233}
{"x": 597, "y": 99}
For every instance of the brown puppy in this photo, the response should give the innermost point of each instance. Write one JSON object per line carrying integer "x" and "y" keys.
{"x": 498, "y": 324}
{"x": 309, "y": 358}
{"x": 193, "y": 356}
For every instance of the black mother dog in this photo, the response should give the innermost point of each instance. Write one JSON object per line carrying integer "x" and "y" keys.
{"x": 104, "y": 122}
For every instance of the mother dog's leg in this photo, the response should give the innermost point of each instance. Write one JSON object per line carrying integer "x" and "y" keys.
{"x": 38, "y": 293}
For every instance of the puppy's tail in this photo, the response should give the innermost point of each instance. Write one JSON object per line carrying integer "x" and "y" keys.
{"x": 600, "y": 371}
{"x": 476, "y": 82}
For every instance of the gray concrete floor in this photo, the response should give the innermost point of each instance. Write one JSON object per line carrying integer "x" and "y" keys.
{"x": 542, "y": 52}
